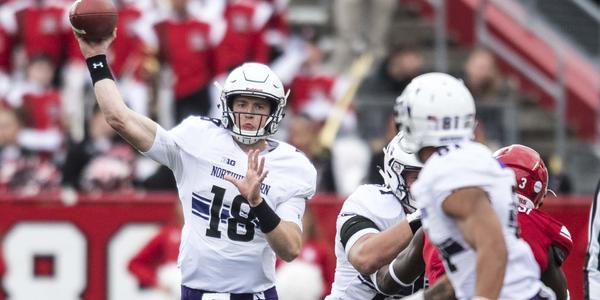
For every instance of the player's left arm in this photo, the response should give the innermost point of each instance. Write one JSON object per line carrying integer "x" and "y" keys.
{"x": 286, "y": 240}
{"x": 553, "y": 276}
{"x": 284, "y": 237}
{"x": 470, "y": 207}
{"x": 406, "y": 267}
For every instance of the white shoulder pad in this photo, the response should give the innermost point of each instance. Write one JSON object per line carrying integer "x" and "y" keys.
{"x": 471, "y": 165}
{"x": 187, "y": 133}
{"x": 298, "y": 169}
{"x": 372, "y": 201}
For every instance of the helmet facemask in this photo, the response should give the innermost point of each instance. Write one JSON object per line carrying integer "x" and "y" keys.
{"x": 252, "y": 80}
{"x": 398, "y": 166}
{"x": 395, "y": 176}
{"x": 267, "y": 126}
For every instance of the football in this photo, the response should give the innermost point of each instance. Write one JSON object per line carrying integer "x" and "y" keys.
{"x": 93, "y": 20}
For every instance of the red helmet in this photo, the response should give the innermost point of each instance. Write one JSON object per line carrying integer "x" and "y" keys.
{"x": 530, "y": 172}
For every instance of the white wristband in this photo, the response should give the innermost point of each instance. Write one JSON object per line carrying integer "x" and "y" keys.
{"x": 393, "y": 274}
{"x": 413, "y": 216}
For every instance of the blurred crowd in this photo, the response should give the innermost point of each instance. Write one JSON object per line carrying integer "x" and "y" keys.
{"x": 167, "y": 55}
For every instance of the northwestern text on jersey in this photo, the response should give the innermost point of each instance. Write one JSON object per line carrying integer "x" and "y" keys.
{"x": 220, "y": 173}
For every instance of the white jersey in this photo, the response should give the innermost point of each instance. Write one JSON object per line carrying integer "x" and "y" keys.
{"x": 222, "y": 248}
{"x": 379, "y": 209}
{"x": 472, "y": 165}
{"x": 592, "y": 257}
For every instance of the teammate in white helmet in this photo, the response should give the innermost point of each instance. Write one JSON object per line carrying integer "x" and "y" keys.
{"x": 466, "y": 197}
{"x": 373, "y": 227}
{"x": 236, "y": 217}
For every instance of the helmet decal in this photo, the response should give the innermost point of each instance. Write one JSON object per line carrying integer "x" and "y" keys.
{"x": 435, "y": 109}
{"x": 530, "y": 171}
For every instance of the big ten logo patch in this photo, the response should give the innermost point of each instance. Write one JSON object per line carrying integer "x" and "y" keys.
{"x": 228, "y": 161}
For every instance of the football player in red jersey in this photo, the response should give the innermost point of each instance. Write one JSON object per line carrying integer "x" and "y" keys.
{"x": 549, "y": 240}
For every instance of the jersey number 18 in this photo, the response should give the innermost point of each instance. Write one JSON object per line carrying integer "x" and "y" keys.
{"x": 237, "y": 217}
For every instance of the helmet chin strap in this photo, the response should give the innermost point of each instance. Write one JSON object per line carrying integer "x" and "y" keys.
{"x": 246, "y": 140}
{"x": 247, "y": 137}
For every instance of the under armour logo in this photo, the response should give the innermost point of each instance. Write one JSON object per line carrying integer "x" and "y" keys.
{"x": 97, "y": 65}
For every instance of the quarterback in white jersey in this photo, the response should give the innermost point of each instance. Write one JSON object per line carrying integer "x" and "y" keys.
{"x": 372, "y": 228}
{"x": 466, "y": 197}
{"x": 236, "y": 219}
{"x": 220, "y": 233}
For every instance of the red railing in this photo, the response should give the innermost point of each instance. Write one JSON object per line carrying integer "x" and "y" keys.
{"x": 582, "y": 80}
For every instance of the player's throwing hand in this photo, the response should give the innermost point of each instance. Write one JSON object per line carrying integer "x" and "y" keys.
{"x": 90, "y": 49}
{"x": 249, "y": 186}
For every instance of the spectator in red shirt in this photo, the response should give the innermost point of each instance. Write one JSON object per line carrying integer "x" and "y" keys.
{"x": 244, "y": 40}
{"x": 127, "y": 48}
{"x": 6, "y": 46}
{"x": 41, "y": 26}
{"x": 6, "y": 50}
{"x": 186, "y": 44}
{"x": 40, "y": 104}
{"x": 131, "y": 59}
{"x": 311, "y": 82}
{"x": 155, "y": 265}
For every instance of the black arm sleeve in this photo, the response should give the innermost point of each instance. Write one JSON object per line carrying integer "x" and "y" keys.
{"x": 408, "y": 266}
{"x": 354, "y": 225}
